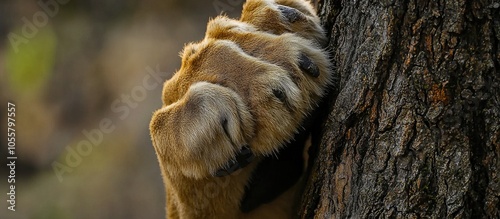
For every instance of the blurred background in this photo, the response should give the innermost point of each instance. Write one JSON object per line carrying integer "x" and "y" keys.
{"x": 72, "y": 67}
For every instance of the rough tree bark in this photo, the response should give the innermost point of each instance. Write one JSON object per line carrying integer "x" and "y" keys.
{"x": 413, "y": 128}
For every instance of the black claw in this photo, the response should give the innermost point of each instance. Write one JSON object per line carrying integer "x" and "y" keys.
{"x": 243, "y": 158}
{"x": 279, "y": 94}
{"x": 231, "y": 166}
{"x": 291, "y": 14}
{"x": 308, "y": 66}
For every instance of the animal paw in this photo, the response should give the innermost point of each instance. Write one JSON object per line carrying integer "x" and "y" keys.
{"x": 200, "y": 132}
{"x": 284, "y": 16}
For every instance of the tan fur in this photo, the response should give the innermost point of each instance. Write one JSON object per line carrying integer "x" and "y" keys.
{"x": 228, "y": 79}
{"x": 265, "y": 15}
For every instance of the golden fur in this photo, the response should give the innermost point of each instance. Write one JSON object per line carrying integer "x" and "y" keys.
{"x": 225, "y": 96}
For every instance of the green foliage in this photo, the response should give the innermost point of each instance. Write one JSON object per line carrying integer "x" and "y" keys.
{"x": 30, "y": 64}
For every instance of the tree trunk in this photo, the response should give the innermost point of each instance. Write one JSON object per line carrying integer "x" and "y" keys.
{"x": 413, "y": 126}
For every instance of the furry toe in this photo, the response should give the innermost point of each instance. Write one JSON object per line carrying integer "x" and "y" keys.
{"x": 291, "y": 14}
{"x": 306, "y": 64}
